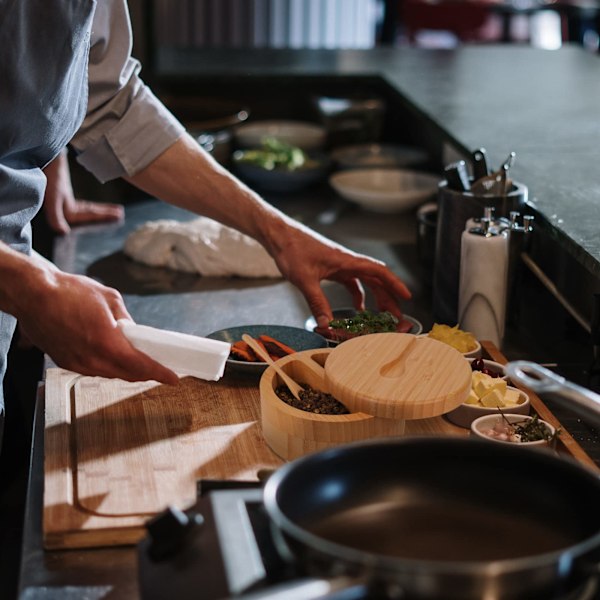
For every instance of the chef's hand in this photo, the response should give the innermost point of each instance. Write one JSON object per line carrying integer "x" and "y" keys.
{"x": 305, "y": 258}
{"x": 73, "y": 319}
{"x": 61, "y": 207}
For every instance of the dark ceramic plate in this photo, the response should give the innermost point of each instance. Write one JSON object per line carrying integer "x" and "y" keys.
{"x": 344, "y": 313}
{"x": 295, "y": 337}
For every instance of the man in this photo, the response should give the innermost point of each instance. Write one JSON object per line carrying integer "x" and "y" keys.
{"x": 120, "y": 130}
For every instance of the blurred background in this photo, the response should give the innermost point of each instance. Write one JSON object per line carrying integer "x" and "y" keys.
{"x": 362, "y": 23}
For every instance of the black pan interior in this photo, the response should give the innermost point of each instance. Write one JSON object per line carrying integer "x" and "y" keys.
{"x": 449, "y": 500}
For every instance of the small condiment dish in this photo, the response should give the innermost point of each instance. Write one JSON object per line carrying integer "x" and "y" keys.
{"x": 475, "y": 353}
{"x": 465, "y": 414}
{"x": 470, "y": 354}
{"x": 482, "y": 427}
{"x": 490, "y": 365}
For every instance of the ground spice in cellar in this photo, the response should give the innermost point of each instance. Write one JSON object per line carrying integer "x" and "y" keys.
{"x": 313, "y": 401}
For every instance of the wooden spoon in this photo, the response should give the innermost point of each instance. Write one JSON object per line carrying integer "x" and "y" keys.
{"x": 294, "y": 387}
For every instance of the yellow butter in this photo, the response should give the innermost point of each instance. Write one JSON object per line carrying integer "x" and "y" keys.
{"x": 473, "y": 398}
{"x": 512, "y": 397}
{"x": 493, "y": 399}
{"x": 486, "y": 384}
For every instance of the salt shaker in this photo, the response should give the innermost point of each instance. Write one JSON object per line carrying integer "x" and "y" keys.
{"x": 483, "y": 282}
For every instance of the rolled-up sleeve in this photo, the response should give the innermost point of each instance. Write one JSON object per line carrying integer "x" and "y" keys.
{"x": 126, "y": 126}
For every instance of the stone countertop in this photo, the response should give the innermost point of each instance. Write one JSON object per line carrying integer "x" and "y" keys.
{"x": 541, "y": 104}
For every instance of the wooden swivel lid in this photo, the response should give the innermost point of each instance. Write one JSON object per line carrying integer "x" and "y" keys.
{"x": 398, "y": 375}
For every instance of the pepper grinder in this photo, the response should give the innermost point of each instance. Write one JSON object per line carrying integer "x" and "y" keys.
{"x": 495, "y": 222}
{"x": 483, "y": 282}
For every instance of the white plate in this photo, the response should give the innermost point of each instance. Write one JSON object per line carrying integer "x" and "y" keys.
{"x": 377, "y": 156}
{"x": 385, "y": 190}
{"x": 307, "y": 136}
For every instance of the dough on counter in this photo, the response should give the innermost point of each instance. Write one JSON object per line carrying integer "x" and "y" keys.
{"x": 201, "y": 246}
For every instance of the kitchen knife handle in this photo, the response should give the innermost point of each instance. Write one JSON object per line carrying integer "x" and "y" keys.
{"x": 480, "y": 166}
{"x": 457, "y": 176}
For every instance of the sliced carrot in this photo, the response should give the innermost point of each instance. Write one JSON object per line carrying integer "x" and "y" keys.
{"x": 275, "y": 347}
{"x": 241, "y": 351}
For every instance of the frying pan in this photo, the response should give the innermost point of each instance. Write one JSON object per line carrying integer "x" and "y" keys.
{"x": 439, "y": 518}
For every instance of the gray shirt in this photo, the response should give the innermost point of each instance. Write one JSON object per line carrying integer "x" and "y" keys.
{"x": 66, "y": 70}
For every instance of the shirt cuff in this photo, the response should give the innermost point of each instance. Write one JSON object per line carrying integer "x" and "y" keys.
{"x": 142, "y": 134}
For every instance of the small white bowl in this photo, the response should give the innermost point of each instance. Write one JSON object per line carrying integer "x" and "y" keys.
{"x": 475, "y": 353}
{"x": 466, "y": 414}
{"x": 305, "y": 135}
{"x": 491, "y": 365}
{"x": 482, "y": 424}
{"x": 385, "y": 190}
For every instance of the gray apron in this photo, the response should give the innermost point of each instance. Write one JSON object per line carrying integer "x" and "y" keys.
{"x": 43, "y": 99}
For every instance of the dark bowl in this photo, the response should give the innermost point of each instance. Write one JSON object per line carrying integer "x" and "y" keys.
{"x": 344, "y": 313}
{"x": 281, "y": 180}
{"x": 295, "y": 337}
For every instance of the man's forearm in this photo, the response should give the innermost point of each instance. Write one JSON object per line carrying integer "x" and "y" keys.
{"x": 185, "y": 175}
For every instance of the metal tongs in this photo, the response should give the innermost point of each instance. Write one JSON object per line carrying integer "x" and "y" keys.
{"x": 496, "y": 183}
{"x": 548, "y": 384}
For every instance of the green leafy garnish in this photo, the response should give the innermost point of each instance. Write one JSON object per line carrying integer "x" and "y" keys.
{"x": 531, "y": 430}
{"x": 275, "y": 154}
{"x": 366, "y": 321}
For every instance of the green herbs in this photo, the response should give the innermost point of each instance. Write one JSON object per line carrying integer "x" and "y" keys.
{"x": 275, "y": 154}
{"x": 365, "y": 322}
{"x": 532, "y": 430}
{"x": 527, "y": 430}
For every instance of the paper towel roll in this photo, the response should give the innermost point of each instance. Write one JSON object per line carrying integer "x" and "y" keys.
{"x": 482, "y": 285}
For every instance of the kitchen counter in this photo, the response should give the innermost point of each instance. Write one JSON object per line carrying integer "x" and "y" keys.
{"x": 541, "y": 104}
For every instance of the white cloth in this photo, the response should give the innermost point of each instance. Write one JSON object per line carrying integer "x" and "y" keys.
{"x": 200, "y": 246}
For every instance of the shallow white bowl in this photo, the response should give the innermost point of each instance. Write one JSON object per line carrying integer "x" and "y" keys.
{"x": 371, "y": 156}
{"x": 487, "y": 422}
{"x": 475, "y": 353}
{"x": 385, "y": 190}
{"x": 466, "y": 414}
{"x": 305, "y": 135}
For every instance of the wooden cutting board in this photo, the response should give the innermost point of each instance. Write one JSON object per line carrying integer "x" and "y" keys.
{"x": 117, "y": 453}
{"x": 398, "y": 376}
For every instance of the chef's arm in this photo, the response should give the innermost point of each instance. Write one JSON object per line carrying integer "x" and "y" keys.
{"x": 72, "y": 318}
{"x": 129, "y": 133}
{"x": 187, "y": 176}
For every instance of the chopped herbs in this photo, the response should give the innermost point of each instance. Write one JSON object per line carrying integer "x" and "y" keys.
{"x": 275, "y": 154}
{"x": 532, "y": 430}
{"x": 364, "y": 322}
